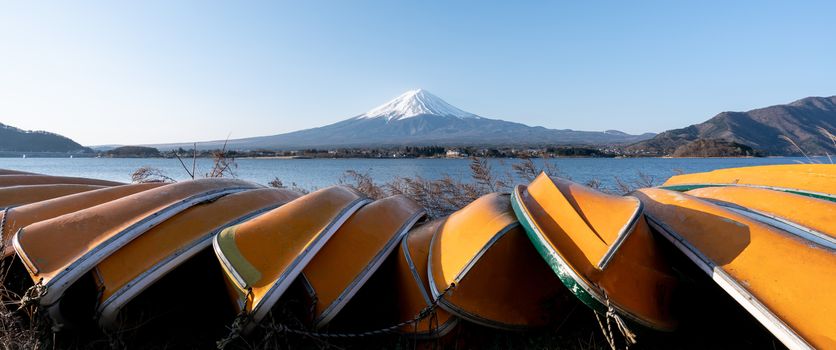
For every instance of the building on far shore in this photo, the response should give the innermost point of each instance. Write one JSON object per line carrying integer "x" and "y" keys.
{"x": 455, "y": 153}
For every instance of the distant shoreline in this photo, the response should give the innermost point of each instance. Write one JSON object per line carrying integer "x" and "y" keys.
{"x": 393, "y": 158}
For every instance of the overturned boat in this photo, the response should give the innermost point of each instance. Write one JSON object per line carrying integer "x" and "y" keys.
{"x": 816, "y": 180}
{"x": 780, "y": 274}
{"x": 13, "y": 219}
{"x": 355, "y": 252}
{"x": 415, "y": 303}
{"x": 788, "y": 211}
{"x": 600, "y": 247}
{"x": 34, "y": 179}
{"x": 480, "y": 260}
{"x": 59, "y": 251}
{"x": 129, "y": 271}
{"x": 263, "y": 256}
{"x": 20, "y": 195}
{"x": 15, "y": 172}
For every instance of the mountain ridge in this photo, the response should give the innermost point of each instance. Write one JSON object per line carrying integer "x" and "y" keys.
{"x": 418, "y": 118}
{"x": 762, "y": 129}
{"x": 14, "y": 139}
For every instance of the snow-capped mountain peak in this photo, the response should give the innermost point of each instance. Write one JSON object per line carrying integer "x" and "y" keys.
{"x": 414, "y": 103}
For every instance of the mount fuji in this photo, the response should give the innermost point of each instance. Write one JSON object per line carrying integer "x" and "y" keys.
{"x": 417, "y": 118}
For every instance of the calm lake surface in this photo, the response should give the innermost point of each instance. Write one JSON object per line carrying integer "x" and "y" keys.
{"x": 318, "y": 173}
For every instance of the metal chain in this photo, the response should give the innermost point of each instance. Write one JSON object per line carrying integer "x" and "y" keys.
{"x": 425, "y": 312}
{"x": 243, "y": 317}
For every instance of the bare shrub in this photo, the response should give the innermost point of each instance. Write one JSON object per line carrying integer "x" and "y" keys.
{"x": 484, "y": 176}
{"x": 363, "y": 183}
{"x": 148, "y": 174}
{"x": 278, "y": 183}
{"x": 645, "y": 180}
{"x": 526, "y": 169}
{"x": 223, "y": 164}
{"x": 831, "y": 137}
{"x": 622, "y": 187}
{"x": 786, "y": 138}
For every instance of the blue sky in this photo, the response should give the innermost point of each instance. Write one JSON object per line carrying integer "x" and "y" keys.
{"x": 164, "y": 71}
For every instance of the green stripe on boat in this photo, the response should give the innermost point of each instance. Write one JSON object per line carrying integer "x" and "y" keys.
{"x": 248, "y": 272}
{"x": 553, "y": 259}
{"x": 688, "y": 187}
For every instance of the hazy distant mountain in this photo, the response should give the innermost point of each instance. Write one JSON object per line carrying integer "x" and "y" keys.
{"x": 16, "y": 140}
{"x": 418, "y": 117}
{"x": 761, "y": 129}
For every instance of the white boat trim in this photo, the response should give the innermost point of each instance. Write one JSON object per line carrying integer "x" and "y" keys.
{"x": 110, "y": 308}
{"x": 780, "y": 223}
{"x": 332, "y": 310}
{"x": 743, "y": 297}
{"x": 622, "y": 235}
{"x": 260, "y": 310}
{"x": 64, "y": 279}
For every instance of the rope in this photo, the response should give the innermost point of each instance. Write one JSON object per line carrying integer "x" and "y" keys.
{"x": 3, "y": 229}
{"x": 33, "y": 294}
{"x": 240, "y": 321}
{"x": 626, "y": 333}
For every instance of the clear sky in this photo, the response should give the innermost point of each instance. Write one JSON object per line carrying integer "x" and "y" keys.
{"x": 132, "y": 72}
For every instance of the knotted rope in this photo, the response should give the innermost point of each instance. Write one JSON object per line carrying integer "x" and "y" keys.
{"x": 626, "y": 333}
{"x": 33, "y": 294}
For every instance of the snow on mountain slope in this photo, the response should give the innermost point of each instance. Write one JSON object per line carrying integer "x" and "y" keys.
{"x": 417, "y": 117}
{"x": 414, "y": 103}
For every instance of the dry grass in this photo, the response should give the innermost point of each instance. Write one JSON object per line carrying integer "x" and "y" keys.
{"x": 441, "y": 197}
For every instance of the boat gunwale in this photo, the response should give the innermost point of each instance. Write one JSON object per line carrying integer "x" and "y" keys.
{"x": 778, "y": 222}
{"x": 456, "y": 310}
{"x": 447, "y": 326}
{"x": 110, "y": 307}
{"x": 693, "y": 186}
{"x": 415, "y": 275}
{"x": 295, "y": 268}
{"x": 740, "y": 294}
{"x": 576, "y": 284}
{"x": 87, "y": 261}
{"x": 625, "y": 233}
{"x": 337, "y": 305}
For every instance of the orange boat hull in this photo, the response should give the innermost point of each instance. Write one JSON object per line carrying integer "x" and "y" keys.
{"x": 263, "y": 256}
{"x": 480, "y": 262}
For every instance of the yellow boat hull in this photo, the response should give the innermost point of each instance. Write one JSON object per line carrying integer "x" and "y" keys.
{"x": 20, "y": 195}
{"x": 412, "y": 285}
{"x": 35, "y": 179}
{"x": 776, "y": 208}
{"x": 263, "y": 256}
{"x": 123, "y": 275}
{"x": 355, "y": 252}
{"x": 816, "y": 180}
{"x": 18, "y": 217}
{"x": 785, "y": 281}
{"x": 484, "y": 270}
{"x": 59, "y": 251}
{"x": 14, "y": 172}
{"x": 600, "y": 247}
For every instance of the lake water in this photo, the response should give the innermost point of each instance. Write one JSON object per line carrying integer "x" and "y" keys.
{"x": 318, "y": 173}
